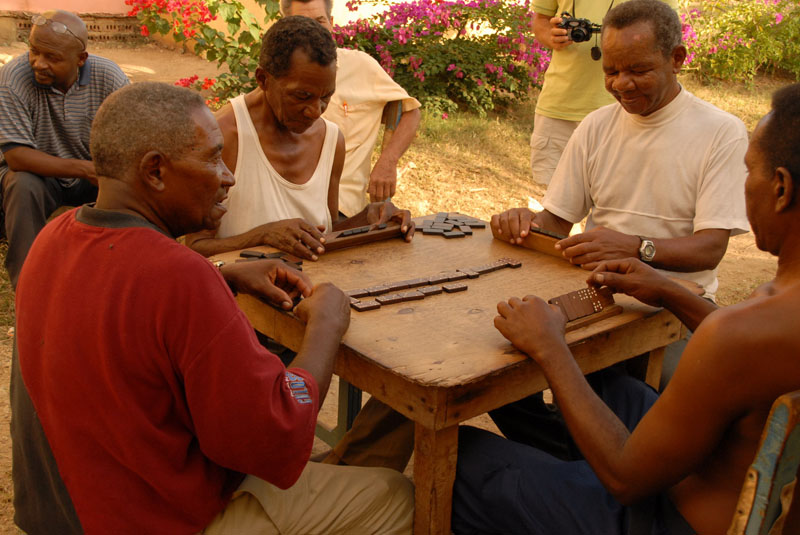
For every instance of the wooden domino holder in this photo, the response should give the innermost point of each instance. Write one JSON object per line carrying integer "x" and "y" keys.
{"x": 334, "y": 242}
{"x": 536, "y": 242}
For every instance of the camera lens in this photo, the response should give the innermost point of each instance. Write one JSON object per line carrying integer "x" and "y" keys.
{"x": 579, "y": 35}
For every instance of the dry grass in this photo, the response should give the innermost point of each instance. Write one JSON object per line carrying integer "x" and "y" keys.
{"x": 467, "y": 164}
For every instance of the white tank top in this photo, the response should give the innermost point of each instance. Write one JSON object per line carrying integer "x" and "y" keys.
{"x": 261, "y": 195}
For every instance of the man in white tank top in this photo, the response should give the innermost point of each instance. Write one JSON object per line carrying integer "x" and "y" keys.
{"x": 286, "y": 159}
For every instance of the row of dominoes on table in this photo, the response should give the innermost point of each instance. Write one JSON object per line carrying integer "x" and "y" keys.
{"x": 363, "y": 299}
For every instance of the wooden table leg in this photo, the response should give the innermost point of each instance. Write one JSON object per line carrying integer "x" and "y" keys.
{"x": 648, "y": 367}
{"x": 435, "y": 454}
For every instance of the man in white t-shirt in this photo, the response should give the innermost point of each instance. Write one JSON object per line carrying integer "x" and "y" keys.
{"x": 363, "y": 89}
{"x": 660, "y": 175}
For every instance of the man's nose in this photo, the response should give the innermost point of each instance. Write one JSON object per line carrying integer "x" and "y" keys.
{"x": 314, "y": 109}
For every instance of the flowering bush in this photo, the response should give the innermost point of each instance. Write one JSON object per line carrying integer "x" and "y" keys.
{"x": 238, "y": 48}
{"x": 735, "y": 39}
{"x": 450, "y": 53}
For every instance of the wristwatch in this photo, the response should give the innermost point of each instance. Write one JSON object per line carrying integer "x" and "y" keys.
{"x": 647, "y": 250}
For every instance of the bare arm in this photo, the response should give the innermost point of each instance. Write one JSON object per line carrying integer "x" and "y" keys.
{"x": 336, "y": 175}
{"x": 678, "y": 433}
{"x": 383, "y": 179}
{"x": 327, "y": 316}
{"x": 46, "y": 165}
{"x": 295, "y": 236}
{"x": 702, "y": 250}
{"x": 637, "y": 279}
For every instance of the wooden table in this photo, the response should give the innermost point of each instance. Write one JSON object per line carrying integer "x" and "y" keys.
{"x": 440, "y": 361}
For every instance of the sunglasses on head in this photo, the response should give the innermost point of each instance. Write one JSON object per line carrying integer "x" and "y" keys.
{"x": 58, "y": 27}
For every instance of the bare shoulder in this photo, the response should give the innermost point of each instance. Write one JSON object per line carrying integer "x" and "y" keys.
{"x": 755, "y": 341}
{"x": 226, "y": 119}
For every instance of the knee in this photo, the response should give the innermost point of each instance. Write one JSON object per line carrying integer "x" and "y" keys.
{"x": 21, "y": 185}
{"x": 395, "y": 485}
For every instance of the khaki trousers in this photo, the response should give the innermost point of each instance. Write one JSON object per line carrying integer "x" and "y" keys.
{"x": 548, "y": 141}
{"x": 325, "y": 500}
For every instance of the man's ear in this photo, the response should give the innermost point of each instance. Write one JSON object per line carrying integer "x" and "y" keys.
{"x": 261, "y": 78}
{"x": 783, "y": 188}
{"x": 152, "y": 168}
{"x": 678, "y": 57}
{"x": 82, "y": 58}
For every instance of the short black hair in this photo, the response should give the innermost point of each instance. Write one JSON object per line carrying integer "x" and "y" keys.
{"x": 289, "y": 34}
{"x": 286, "y": 5}
{"x": 779, "y": 140}
{"x": 663, "y": 19}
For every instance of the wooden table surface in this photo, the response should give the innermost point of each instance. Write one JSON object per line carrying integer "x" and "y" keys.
{"x": 440, "y": 361}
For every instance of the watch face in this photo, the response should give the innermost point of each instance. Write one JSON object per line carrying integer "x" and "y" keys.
{"x": 647, "y": 251}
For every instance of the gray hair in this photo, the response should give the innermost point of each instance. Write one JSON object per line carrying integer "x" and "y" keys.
{"x": 140, "y": 118}
{"x": 663, "y": 20}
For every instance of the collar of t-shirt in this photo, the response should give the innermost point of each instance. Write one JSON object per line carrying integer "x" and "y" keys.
{"x": 665, "y": 114}
{"x": 98, "y": 217}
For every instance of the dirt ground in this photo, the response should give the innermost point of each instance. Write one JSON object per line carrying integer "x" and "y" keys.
{"x": 743, "y": 268}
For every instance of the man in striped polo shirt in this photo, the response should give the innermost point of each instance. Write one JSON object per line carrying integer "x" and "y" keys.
{"x": 48, "y": 99}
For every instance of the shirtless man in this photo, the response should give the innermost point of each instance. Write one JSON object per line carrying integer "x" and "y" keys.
{"x": 287, "y": 160}
{"x": 693, "y": 447}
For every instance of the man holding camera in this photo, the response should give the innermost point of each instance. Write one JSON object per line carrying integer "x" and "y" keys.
{"x": 573, "y": 84}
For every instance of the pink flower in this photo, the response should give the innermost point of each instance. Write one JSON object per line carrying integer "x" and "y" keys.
{"x": 451, "y": 67}
{"x": 778, "y": 18}
{"x": 445, "y": 116}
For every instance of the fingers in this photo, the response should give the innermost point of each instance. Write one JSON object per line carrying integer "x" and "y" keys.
{"x": 511, "y": 223}
{"x": 406, "y": 225}
{"x": 409, "y": 232}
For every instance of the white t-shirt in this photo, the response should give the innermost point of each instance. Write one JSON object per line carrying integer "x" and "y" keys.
{"x": 261, "y": 195}
{"x": 668, "y": 175}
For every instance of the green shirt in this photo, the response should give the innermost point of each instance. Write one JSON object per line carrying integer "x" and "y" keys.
{"x": 574, "y": 82}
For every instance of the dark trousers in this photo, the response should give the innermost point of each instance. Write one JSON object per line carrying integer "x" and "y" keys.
{"x": 28, "y": 200}
{"x": 506, "y": 487}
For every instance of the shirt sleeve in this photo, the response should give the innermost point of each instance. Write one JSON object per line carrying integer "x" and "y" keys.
{"x": 250, "y": 414}
{"x": 387, "y": 90}
{"x": 16, "y": 125}
{"x": 720, "y": 198}
{"x": 545, "y": 7}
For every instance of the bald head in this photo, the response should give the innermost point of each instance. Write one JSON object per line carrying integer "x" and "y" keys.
{"x": 75, "y": 31}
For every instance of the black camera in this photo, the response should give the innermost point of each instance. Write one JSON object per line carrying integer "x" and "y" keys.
{"x": 579, "y": 30}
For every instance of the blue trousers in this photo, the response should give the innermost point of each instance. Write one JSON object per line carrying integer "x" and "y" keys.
{"x": 506, "y": 487}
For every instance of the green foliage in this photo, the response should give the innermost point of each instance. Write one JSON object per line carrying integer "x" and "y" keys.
{"x": 473, "y": 54}
{"x": 735, "y": 39}
{"x": 237, "y": 48}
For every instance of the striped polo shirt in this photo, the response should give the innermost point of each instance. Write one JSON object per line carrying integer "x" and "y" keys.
{"x": 44, "y": 118}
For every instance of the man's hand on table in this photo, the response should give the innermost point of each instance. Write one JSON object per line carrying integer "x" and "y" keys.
{"x": 600, "y": 244}
{"x": 295, "y": 236}
{"x": 327, "y": 306}
{"x": 272, "y": 280}
{"x": 514, "y": 224}
{"x": 382, "y": 212}
{"x": 632, "y": 277}
{"x": 533, "y": 326}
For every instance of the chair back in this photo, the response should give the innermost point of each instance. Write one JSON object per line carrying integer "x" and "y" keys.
{"x": 770, "y": 480}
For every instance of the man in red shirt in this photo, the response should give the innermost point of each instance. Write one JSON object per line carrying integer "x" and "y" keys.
{"x": 141, "y": 393}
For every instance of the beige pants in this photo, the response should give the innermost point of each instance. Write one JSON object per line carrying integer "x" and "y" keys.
{"x": 548, "y": 140}
{"x": 325, "y": 500}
